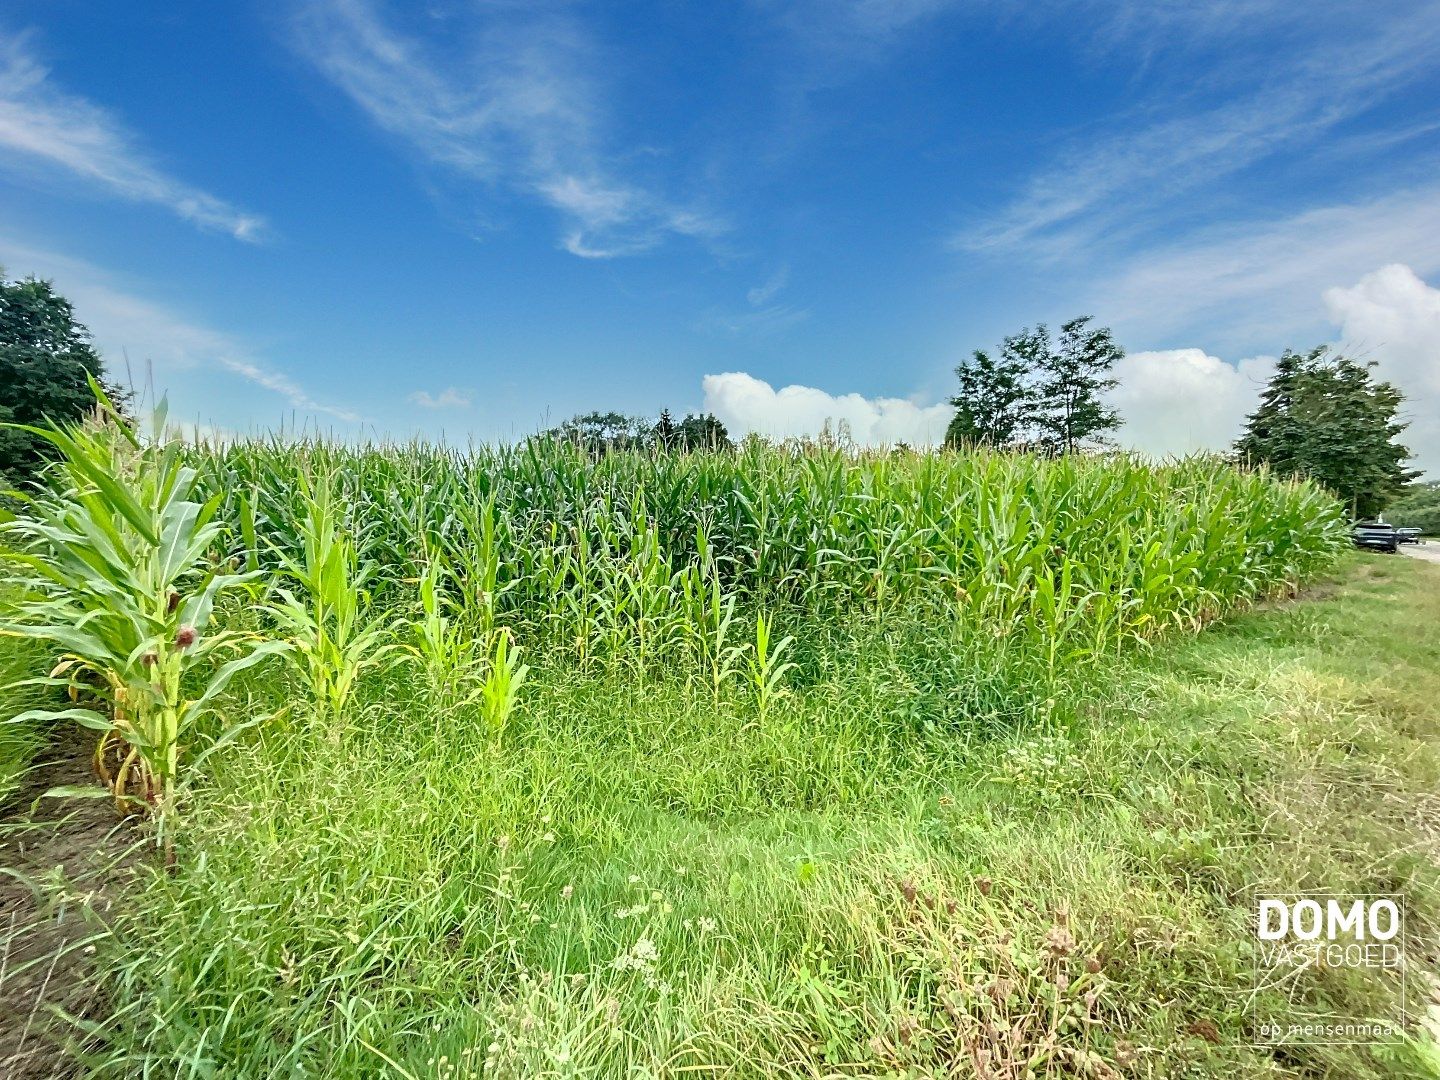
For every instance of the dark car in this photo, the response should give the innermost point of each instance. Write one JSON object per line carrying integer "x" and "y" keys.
{"x": 1408, "y": 536}
{"x": 1376, "y": 536}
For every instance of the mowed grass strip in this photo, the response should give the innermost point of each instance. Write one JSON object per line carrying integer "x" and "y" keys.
{"x": 640, "y": 880}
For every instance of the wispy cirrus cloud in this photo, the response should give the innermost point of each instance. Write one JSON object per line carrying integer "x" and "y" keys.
{"x": 771, "y": 287}
{"x": 1211, "y": 126}
{"x": 512, "y": 98}
{"x": 41, "y": 126}
{"x": 124, "y": 323}
{"x": 766, "y": 316}
{"x": 1249, "y": 284}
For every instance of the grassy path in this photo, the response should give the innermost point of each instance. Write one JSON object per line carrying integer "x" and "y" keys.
{"x": 628, "y": 897}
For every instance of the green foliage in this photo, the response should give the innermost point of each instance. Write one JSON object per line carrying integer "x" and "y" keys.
{"x": 501, "y": 687}
{"x": 46, "y": 364}
{"x": 118, "y": 563}
{"x": 326, "y": 618}
{"x": 19, "y": 743}
{"x": 702, "y": 431}
{"x": 1038, "y": 392}
{"x": 666, "y": 832}
{"x": 1418, "y": 508}
{"x": 445, "y": 644}
{"x": 1073, "y": 376}
{"x": 599, "y": 557}
{"x": 1324, "y": 416}
{"x": 767, "y": 669}
{"x": 598, "y": 433}
{"x": 994, "y": 404}
{"x": 630, "y": 877}
{"x": 602, "y": 433}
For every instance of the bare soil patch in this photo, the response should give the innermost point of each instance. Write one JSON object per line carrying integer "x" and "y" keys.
{"x": 48, "y": 929}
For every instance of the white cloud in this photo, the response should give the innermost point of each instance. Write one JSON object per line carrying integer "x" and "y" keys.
{"x": 764, "y": 318}
{"x": 124, "y": 324}
{"x": 449, "y": 398}
{"x": 41, "y": 125}
{"x": 1256, "y": 283}
{"x": 1104, "y": 183}
{"x": 513, "y": 102}
{"x": 1178, "y": 401}
{"x": 763, "y": 322}
{"x": 746, "y": 404}
{"x": 770, "y": 288}
{"x": 1392, "y": 317}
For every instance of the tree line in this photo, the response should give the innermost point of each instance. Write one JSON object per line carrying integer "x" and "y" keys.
{"x": 1322, "y": 414}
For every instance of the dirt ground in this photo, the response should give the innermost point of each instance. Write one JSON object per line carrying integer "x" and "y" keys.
{"x": 46, "y": 944}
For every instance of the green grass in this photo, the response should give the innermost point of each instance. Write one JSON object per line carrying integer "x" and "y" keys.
{"x": 636, "y": 880}
{"x": 19, "y": 661}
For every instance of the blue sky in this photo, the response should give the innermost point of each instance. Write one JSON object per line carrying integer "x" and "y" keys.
{"x": 474, "y": 218}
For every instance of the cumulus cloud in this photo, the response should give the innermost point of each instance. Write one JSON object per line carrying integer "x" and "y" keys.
{"x": 1178, "y": 401}
{"x": 1392, "y": 317}
{"x": 42, "y": 125}
{"x": 449, "y": 398}
{"x": 746, "y": 404}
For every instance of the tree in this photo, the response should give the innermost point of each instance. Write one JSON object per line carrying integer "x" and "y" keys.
{"x": 1324, "y": 416}
{"x": 46, "y": 362}
{"x": 1038, "y": 392}
{"x": 1070, "y": 412}
{"x": 1418, "y": 508}
{"x": 994, "y": 406}
{"x": 703, "y": 432}
{"x": 600, "y": 432}
{"x": 665, "y": 435}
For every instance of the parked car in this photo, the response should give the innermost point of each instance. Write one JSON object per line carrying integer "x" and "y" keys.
{"x": 1376, "y": 536}
{"x": 1408, "y": 536}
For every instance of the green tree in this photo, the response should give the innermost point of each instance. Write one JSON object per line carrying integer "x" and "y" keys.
{"x": 703, "y": 431}
{"x": 1324, "y": 416}
{"x": 1039, "y": 392}
{"x": 46, "y": 361}
{"x": 1073, "y": 377}
{"x": 995, "y": 403}
{"x": 665, "y": 436}
{"x": 1418, "y": 508}
{"x": 600, "y": 432}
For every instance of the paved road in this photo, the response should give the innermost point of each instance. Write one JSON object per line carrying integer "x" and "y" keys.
{"x": 1429, "y": 552}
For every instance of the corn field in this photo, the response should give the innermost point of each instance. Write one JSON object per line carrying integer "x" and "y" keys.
{"x": 359, "y": 559}
{"x": 645, "y": 556}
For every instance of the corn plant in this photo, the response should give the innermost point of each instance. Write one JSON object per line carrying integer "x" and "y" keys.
{"x": 444, "y": 647}
{"x": 709, "y": 612}
{"x": 326, "y": 616}
{"x": 117, "y": 561}
{"x": 767, "y": 670}
{"x": 501, "y": 687}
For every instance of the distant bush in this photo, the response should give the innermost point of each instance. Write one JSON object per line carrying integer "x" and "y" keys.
{"x": 1420, "y": 509}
